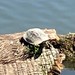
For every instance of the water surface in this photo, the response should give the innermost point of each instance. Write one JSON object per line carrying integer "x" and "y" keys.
{"x": 20, "y": 15}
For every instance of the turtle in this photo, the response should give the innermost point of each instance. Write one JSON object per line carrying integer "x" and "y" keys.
{"x": 35, "y": 36}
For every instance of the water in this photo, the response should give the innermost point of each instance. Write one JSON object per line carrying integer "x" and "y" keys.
{"x": 68, "y": 72}
{"x": 20, "y": 15}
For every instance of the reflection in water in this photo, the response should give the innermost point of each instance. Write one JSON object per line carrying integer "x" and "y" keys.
{"x": 70, "y": 65}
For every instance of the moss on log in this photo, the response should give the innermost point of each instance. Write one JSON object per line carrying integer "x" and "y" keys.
{"x": 66, "y": 44}
{"x": 13, "y": 57}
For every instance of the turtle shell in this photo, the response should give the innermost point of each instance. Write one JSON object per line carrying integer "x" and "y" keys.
{"x": 35, "y": 36}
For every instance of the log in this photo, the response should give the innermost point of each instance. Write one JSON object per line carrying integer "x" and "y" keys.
{"x": 14, "y": 60}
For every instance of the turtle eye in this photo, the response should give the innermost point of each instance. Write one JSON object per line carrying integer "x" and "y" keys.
{"x": 60, "y": 55}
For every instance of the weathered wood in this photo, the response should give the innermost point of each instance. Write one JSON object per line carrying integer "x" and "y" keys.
{"x": 12, "y": 57}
